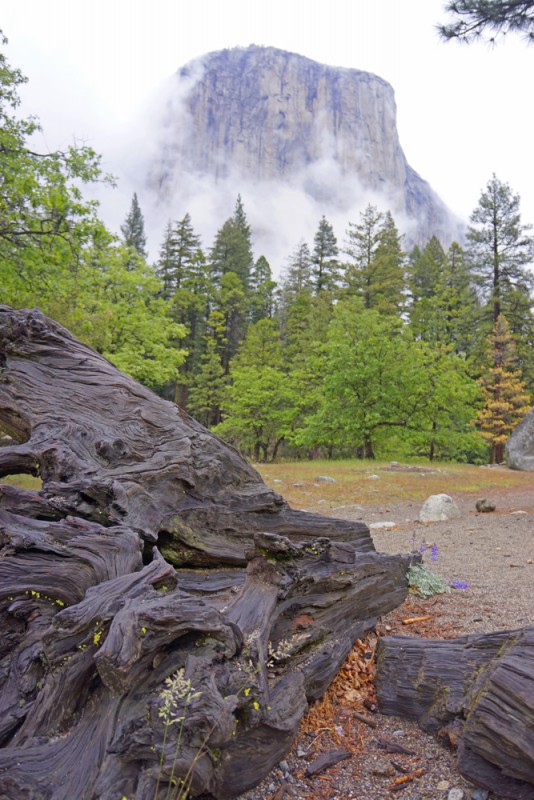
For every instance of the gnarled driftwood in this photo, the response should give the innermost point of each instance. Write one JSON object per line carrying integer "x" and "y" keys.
{"x": 482, "y": 686}
{"x": 153, "y": 547}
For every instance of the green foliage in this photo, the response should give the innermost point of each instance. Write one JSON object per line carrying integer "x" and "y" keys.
{"x": 259, "y": 406}
{"x": 377, "y": 379}
{"x": 263, "y": 291}
{"x": 375, "y": 272}
{"x": 424, "y": 582}
{"x": 500, "y": 251}
{"x": 120, "y": 313}
{"x": 133, "y": 229}
{"x": 232, "y": 250}
{"x": 324, "y": 259}
{"x": 385, "y": 356}
{"x": 44, "y": 220}
{"x": 56, "y": 254}
{"x": 208, "y": 384}
{"x": 179, "y": 256}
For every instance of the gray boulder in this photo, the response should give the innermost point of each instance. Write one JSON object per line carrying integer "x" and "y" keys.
{"x": 520, "y": 445}
{"x": 438, "y": 508}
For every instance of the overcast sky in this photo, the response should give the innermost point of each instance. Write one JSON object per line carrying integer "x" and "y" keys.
{"x": 464, "y": 112}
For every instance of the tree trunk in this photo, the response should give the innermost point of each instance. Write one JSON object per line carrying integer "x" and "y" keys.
{"x": 154, "y": 547}
{"x": 480, "y": 685}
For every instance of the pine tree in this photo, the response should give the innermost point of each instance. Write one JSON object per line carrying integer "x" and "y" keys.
{"x": 208, "y": 387}
{"x": 165, "y": 265}
{"x": 262, "y": 291}
{"x": 500, "y": 251}
{"x": 424, "y": 269}
{"x": 489, "y": 19}
{"x": 179, "y": 250}
{"x": 191, "y": 303}
{"x": 231, "y": 303}
{"x": 232, "y": 248}
{"x": 443, "y": 306}
{"x": 457, "y": 303}
{"x": 133, "y": 229}
{"x": 505, "y": 400}
{"x": 376, "y": 267}
{"x": 298, "y": 272}
{"x": 324, "y": 259}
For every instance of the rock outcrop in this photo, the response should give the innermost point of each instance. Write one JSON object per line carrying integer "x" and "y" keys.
{"x": 520, "y": 445}
{"x": 262, "y": 114}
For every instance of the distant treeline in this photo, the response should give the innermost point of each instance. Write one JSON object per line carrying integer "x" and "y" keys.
{"x": 360, "y": 348}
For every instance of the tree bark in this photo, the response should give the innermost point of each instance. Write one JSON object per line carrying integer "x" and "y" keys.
{"x": 153, "y": 547}
{"x": 482, "y": 686}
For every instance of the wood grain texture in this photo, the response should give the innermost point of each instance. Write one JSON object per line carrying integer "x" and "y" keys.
{"x": 484, "y": 685}
{"x": 152, "y": 547}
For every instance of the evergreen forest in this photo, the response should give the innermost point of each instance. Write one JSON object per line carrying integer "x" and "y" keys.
{"x": 363, "y": 348}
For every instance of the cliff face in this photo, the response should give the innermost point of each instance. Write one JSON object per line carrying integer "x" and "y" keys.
{"x": 263, "y": 114}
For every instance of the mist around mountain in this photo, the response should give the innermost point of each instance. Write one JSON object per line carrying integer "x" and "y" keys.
{"x": 295, "y": 138}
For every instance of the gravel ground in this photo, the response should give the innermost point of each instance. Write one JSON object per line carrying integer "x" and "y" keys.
{"x": 494, "y": 554}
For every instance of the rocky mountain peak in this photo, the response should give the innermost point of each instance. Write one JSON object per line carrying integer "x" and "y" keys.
{"x": 259, "y": 114}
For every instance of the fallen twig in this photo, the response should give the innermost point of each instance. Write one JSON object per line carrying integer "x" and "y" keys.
{"x": 411, "y": 620}
{"x": 371, "y": 722}
{"x": 400, "y": 783}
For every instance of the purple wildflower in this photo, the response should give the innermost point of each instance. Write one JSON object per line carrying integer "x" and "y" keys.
{"x": 434, "y": 553}
{"x": 459, "y": 585}
{"x": 422, "y": 549}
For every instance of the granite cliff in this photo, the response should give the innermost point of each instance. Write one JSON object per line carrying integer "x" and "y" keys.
{"x": 259, "y": 114}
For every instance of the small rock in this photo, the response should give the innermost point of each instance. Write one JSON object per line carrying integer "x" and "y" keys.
{"x": 484, "y": 506}
{"x": 277, "y": 480}
{"x": 301, "y": 753}
{"x": 529, "y": 561}
{"x": 519, "y": 513}
{"x": 377, "y": 525}
{"x": 398, "y": 733}
{"x": 373, "y": 477}
{"x": 442, "y": 786}
{"x": 284, "y": 766}
{"x": 456, "y": 794}
{"x": 480, "y": 794}
{"x": 298, "y": 484}
{"x": 382, "y": 767}
{"x": 325, "y": 479}
{"x": 388, "y": 627}
{"x": 438, "y": 508}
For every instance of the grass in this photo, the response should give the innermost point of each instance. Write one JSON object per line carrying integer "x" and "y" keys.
{"x": 296, "y": 482}
{"x": 353, "y": 486}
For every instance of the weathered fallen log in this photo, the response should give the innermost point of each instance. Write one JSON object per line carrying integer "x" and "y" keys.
{"x": 481, "y": 684}
{"x": 153, "y": 547}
